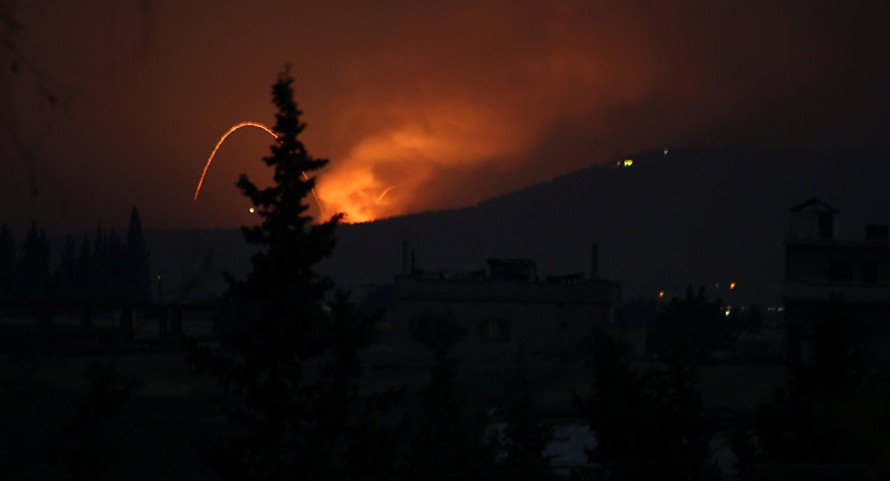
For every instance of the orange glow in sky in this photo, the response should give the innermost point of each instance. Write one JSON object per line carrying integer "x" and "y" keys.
{"x": 392, "y": 171}
{"x": 452, "y": 105}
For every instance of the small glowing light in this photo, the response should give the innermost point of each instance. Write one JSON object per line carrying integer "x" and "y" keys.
{"x": 666, "y": 151}
{"x": 627, "y": 162}
{"x": 251, "y": 210}
{"x": 727, "y": 311}
{"x": 660, "y": 294}
{"x": 732, "y": 285}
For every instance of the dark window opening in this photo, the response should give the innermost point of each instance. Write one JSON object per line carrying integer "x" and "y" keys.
{"x": 495, "y": 330}
{"x": 870, "y": 272}
{"x": 826, "y": 225}
{"x": 840, "y": 270}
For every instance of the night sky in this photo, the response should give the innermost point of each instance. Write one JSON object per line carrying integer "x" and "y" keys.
{"x": 108, "y": 104}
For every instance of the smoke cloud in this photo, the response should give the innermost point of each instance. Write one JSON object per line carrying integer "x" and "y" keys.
{"x": 431, "y": 105}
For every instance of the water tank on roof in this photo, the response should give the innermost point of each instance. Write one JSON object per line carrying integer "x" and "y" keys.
{"x": 813, "y": 220}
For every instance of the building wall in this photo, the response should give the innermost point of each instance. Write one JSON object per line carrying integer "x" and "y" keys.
{"x": 501, "y": 319}
{"x": 838, "y": 263}
{"x": 846, "y": 280}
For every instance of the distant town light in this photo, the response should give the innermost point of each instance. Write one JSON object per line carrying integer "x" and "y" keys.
{"x": 666, "y": 151}
{"x": 732, "y": 285}
{"x": 251, "y": 210}
{"x": 660, "y": 294}
{"x": 627, "y": 162}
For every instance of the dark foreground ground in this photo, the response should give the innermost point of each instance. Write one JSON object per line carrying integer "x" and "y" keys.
{"x": 154, "y": 434}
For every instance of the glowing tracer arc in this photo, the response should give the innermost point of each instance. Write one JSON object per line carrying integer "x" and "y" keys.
{"x": 222, "y": 139}
{"x": 381, "y": 196}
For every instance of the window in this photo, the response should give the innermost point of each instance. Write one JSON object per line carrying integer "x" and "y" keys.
{"x": 870, "y": 272}
{"x": 840, "y": 270}
{"x": 495, "y": 330}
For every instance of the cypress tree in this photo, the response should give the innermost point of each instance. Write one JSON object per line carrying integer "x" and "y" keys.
{"x": 137, "y": 270}
{"x": 98, "y": 268}
{"x": 65, "y": 276}
{"x": 113, "y": 268}
{"x": 290, "y": 349}
{"x": 33, "y": 277}
{"x": 84, "y": 271}
{"x": 7, "y": 263}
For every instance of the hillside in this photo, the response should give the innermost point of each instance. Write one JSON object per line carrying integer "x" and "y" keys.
{"x": 700, "y": 216}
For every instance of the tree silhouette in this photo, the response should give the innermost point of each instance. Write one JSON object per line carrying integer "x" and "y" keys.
{"x": 89, "y": 450}
{"x": 525, "y": 438}
{"x": 832, "y": 410}
{"x": 99, "y": 267}
{"x": 290, "y": 355}
{"x": 136, "y": 267}
{"x": 113, "y": 267}
{"x": 65, "y": 276}
{"x": 443, "y": 442}
{"x": 647, "y": 419}
{"x": 32, "y": 279}
{"x": 690, "y": 329}
{"x": 83, "y": 271}
{"x": 7, "y": 263}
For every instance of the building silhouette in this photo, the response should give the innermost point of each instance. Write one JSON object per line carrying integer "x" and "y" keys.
{"x": 500, "y": 313}
{"x": 828, "y": 278}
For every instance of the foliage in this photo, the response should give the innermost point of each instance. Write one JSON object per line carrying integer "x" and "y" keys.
{"x": 7, "y": 262}
{"x": 690, "y": 329}
{"x": 647, "y": 418}
{"x": 87, "y": 446}
{"x": 112, "y": 271}
{"x": 136, "y": 270}
{"x": 647, "y": 421}
{"x": 830, "y": 410}
{"x": 525, "y": 439}
{"x": 444, "y": 443}
{"x": 32, "y": 273}
{"x": 290, "y": 351}
{"x": 64, "y": 278}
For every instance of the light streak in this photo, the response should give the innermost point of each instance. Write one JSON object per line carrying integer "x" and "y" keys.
{"x": 381, "y": 196}
{"x": 222, "y": 139}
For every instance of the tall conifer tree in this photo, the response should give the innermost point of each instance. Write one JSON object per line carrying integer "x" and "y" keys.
{"x": 137, "y": 270}
{"x": 33, "y": 270}
{"x": 296, "y": 419}
{"x": 7, "y": 262}
{"x": 65, "y": 275}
